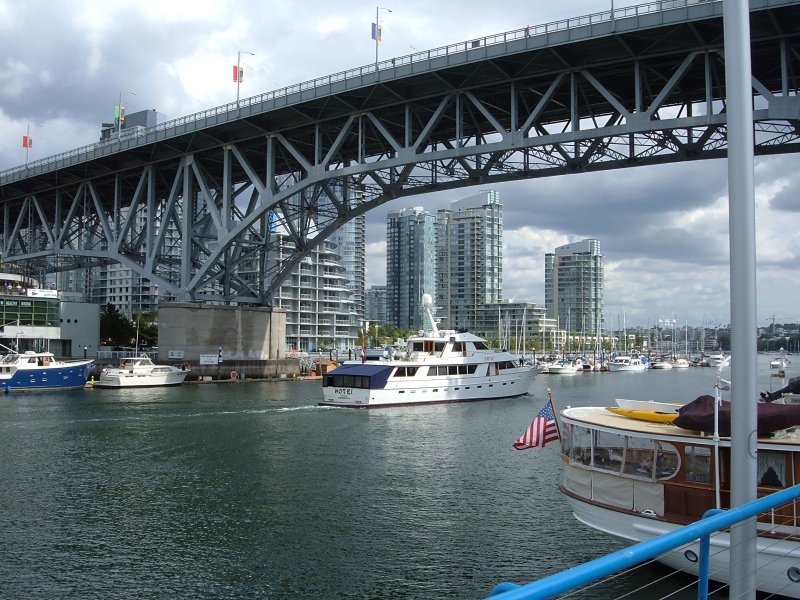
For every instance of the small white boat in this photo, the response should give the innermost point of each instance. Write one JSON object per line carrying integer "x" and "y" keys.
{"x": 140, "y": 371}
{"x": 40, "y": 371}
{"x": 563, "y": 367}
{"x": 715, "y": 360}
{"x": 779, "y": 363}
{"x": 437, "y": 366}
{"x": 626, "y": 362}
{"x": 680, "y": 363}
{"x": 660, "y": 363}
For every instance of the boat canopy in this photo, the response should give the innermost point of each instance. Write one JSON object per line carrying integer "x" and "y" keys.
{"x": 359, "y": 376}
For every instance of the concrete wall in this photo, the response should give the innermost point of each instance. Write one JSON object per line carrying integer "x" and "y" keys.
{"x": 244, "y": 333}
{"x": 80, "y": 326}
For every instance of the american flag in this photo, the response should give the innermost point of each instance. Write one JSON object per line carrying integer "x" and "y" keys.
{"x": 543, "y": 429}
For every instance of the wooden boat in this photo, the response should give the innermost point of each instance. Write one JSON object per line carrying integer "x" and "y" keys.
{"x": 638, "y": 479}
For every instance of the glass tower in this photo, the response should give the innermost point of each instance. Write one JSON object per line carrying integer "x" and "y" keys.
{"x": 469, "y": 255}
{"x": 410, "y": 265}
{"x": 573, "y": 286}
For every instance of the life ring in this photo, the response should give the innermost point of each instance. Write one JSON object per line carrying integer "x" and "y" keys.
{"x": 234, "y": 375}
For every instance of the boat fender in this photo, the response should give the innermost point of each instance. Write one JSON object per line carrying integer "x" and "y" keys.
{"x": 649, "y": 513}
{"x": 234, "y": 375}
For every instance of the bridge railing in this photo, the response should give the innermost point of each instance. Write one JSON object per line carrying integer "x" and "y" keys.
{"x": 231, "y": 110}
{"x": 581, "y": 575}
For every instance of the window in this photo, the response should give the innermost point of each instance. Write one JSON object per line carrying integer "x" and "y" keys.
{"x": 698, "y": 464}
{"x": 609, "y": 449}
{"x": 405, "y": 371}
{"x": 771, "y": 469}
{"x": 581, "y": 445}
{"x": 639, "y": 457}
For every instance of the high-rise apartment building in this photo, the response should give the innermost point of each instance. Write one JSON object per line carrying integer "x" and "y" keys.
{"x": 317, "y": 300}
{"x": 351, "y": 243}
{"x": 376, "y": 304}
{"x": 410, "y": 265}
{"x": 573, "y": 286}
{"x": 469, "y": 258}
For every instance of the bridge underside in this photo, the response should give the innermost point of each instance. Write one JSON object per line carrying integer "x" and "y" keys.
{"x": 206, "y": 215}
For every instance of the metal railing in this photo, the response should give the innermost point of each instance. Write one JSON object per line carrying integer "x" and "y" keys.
{"x": 230, "y": 111}
{"x": 631, "y": 556}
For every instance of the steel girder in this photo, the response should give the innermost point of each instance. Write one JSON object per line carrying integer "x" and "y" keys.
{"x": 208, "y": 225}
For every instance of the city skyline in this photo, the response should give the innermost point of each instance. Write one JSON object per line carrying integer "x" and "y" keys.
{"x": 664, "y": 229}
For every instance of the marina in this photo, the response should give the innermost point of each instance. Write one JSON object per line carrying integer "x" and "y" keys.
{"x": 251, "y": 490}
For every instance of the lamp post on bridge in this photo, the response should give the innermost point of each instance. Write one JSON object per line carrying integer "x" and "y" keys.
{"x": 376, "y": 31}
{"x": 238, "y": 72}
{"x": 27, "y": 142}
{"x": 120, "y": 113}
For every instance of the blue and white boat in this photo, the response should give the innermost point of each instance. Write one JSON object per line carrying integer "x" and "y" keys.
{"x": 436, "y": 366}
{"x": 40, "y": 371}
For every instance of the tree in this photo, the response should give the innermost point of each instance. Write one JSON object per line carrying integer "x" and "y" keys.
{"x": 115, "y": 328}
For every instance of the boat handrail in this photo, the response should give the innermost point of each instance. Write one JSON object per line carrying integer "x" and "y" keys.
{"x": 713, "y": 521}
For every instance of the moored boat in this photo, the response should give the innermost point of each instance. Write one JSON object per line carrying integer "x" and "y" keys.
{"x": 563, "y": 367}
{"x": 636, "y": 480}
{"x": 140, "y": 371}
{"x": 40, "y": 371}
{"x": 627, "y": 362}
{"x": 660, "y": 363}
{"x": 437, "y": 366}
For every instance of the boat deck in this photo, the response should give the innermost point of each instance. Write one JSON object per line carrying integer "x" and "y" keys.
{"x": 599, "y": 417}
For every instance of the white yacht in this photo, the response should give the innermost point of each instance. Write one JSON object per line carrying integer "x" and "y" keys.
{"x": 627, "y": 362}
{"x": 436, "y": 366}
{"x": 715, "y": 360}
{"x": 563, "y": 367}
{"x": 140, "y": 371}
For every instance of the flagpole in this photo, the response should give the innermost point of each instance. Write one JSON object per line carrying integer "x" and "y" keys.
{"x": 378, "y": 31}
{"x": 555, "y": 412}
{"x": 239, "y": 72}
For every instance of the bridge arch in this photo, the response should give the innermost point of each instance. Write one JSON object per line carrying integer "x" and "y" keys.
{"x": 190, "y": 205}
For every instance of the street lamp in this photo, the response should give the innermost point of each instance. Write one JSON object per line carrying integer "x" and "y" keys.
{"x": 27, "y": 142}
{"x": 376, "y": 34}
{"x": 238, "y": 73}
{"x": 120, "y": 113}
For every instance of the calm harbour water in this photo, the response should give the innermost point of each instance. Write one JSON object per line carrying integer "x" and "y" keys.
{"x": 250, "y": 490}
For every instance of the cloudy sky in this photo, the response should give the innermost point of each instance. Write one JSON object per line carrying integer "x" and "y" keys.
{"x": 663, "y": 230}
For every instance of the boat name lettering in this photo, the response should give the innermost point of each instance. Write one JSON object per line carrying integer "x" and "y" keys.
{"x": 343, "y": 391}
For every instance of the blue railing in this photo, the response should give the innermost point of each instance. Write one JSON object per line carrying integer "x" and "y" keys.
{"x": 629, "y": 557}
{"x": 231, "y": 109}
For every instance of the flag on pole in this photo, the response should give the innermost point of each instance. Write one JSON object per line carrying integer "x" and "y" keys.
{"x": 376, "y": 32}
{"x": 238, "y": 73}
{"x": 27, "y": 141}
{"x": 542, "y": 430}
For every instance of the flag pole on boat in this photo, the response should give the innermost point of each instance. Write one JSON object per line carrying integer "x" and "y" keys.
{"x": 741, "y": 211}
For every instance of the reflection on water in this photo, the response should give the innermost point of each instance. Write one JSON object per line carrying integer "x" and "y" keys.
{"x": 250, "y": 490}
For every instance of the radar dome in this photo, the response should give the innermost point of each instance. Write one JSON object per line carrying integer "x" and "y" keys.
{"x": 426, "y": 300}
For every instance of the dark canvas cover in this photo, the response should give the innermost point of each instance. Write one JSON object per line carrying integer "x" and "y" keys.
{"x": 698, "y": 415}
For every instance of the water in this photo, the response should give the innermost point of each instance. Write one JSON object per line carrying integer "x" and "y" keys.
{"x": 250, "y": 490}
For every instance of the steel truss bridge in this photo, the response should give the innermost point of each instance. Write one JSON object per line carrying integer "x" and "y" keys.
{"x": 199, "y": 205}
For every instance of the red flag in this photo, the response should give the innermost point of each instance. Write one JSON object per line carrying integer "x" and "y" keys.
{"x": 543, "y": 429}
{"x": 27, "y": 141}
